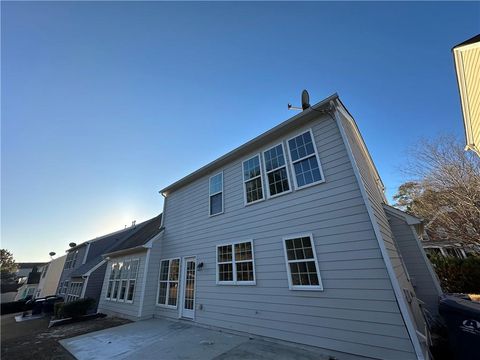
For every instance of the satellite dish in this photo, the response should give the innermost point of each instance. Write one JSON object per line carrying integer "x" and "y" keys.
{"x": 305, "y": 100}
{"x": 52, "y": 254}
{"x": 72, "y": 244}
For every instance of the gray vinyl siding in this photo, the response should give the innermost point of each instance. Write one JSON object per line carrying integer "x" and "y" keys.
{"x": 95, "y": 284}
{"x": 67, "y": 272}
{"x": 151, "y": 285}
{"x": 376, "y": 200}
{"x": 422, "y": 275}
{"x": 123, "y": 309}
{"x": 356, "y": 313}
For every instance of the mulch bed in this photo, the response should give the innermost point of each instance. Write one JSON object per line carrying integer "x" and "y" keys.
{"x": 34, "y": 340}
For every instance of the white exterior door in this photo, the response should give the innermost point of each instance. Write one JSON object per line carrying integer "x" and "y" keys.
{"x": 188, "y": 288}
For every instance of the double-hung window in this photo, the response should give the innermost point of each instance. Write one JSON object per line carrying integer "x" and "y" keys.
{"x": 252, "y": 178}
{"x": 216, "y": 194}
{"x": 276, "y": 171}
{"x": 235, "y": 264}
{"x": 168, "y": 282}
{"x": 305, "y": 163}
{"x": 302, "y": 265}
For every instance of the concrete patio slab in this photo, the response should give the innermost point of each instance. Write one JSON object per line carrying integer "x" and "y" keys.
{"x": 163, "y": 339}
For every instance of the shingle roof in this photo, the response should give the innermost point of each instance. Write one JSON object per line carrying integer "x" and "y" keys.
{"x": 472, "y": 40}
{"x": 145, "y": 233}
{"x": 136, "y": 236}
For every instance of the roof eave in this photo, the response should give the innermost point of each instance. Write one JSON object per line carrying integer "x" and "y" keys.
{"x": 245, "y": 148}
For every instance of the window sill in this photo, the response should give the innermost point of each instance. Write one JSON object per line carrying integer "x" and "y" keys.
{"x": 306, "y": 288}
{"x": 254, "y": 202}
{"x": 166, "y": 306}
{"x": 309, "y": 185}
{"x": 279, "y": 194}
{"x": 241, "y": 283}
{"x": 213, "y": 215}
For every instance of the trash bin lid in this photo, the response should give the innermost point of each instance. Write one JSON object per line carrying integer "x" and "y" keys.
{"x": 458, "y": 304}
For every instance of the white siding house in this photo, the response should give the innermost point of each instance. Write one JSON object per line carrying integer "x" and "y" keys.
{"x": 285, "y": 237}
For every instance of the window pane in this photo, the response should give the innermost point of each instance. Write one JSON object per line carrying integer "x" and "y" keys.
{"x": 254, "y": 190}
{"x": 216, "y": 204}
{"x": 172, "y": 293}
{"x": 123, "y": 289}
{"x": 245, "y": 271}
{"x": 174, "y": 269}
{"x": 278, "y": 181}
{"x": 119, "y": 270}
{"x": 251, "y": 168}
{"x": 134, "y": 269}
{"x": 301, "y": 146}
{"x": 115, "y": 289}
{"x": 164, "y": 270}
{"x": 307, "y": 171}
{"x": 216, "y": 183}
{"x": 109, "y": 289}
{"x": 274, "y": 158}
{"x": 131, "y": 290}
{"x": 225, "y": 253}
{"x": 162, "y": 293}
{"x": 225, "y": 272}
{"x": 243, "y": 251}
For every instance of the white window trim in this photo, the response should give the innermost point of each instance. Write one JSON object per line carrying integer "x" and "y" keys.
{"x": 168, "y": 282}
{"x": 245, "y": 181}
{"x": 294, "y": 175}
{"x": 269, "y": 196}
{"x": 218, "y": 192}
{"x": 234, "y": 268}
{"x": 318, "y": 287}
{"x": 117, "y": 298}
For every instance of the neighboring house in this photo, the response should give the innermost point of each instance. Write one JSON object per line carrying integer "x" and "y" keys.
{"x": 288, "y": 237}
{"x": 84, "y": 268}
{"x": 124, "y": 285}
{"x": 450, "y": 249}
{"x": 50, "y": 276}
{"x": 467, "y": 66}
{"x": 408, "y": 231}
{"x": 28, "y": 277}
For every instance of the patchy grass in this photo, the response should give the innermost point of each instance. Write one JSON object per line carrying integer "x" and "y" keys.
{"x": 34, "y": 340}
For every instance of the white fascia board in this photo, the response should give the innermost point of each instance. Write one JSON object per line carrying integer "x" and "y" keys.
{"x": 393, "y": 279}
{"x": 410, "y": 219}
{"x": 94, "y": 268}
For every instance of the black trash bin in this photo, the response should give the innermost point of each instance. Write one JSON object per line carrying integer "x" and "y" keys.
{"x": 462, "y": 317}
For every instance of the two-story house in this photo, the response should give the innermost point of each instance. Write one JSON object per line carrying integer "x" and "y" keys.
{"x": 84, "y": 267}
{"x": 289, "y": 237}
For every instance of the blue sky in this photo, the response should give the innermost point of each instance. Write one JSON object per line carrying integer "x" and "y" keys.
{"x": 103, "y": 104}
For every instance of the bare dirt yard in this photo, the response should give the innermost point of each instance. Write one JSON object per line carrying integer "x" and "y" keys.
{"x": 34, "y": 340}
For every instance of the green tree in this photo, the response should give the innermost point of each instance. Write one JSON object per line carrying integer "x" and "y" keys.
{"x": 8, "y": 267}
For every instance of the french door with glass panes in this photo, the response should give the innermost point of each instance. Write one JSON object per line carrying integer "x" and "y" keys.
{"x": 188, "y": 288}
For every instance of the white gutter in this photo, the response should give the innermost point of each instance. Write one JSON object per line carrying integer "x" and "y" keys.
{"x": 393, "y": 278}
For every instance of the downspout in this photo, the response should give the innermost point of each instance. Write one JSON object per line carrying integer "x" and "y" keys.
{"x": 393, "y": 279}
